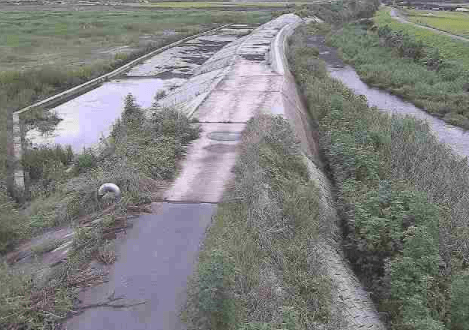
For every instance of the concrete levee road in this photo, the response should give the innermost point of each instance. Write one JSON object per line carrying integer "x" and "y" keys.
{"x": 245, "y": 78}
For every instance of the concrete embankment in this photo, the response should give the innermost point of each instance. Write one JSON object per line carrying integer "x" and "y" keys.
{"x": 247, "y": 77}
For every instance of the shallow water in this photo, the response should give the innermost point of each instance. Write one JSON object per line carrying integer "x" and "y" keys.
{"x": 90, "y": 116}
{"x": 453, "y": 136}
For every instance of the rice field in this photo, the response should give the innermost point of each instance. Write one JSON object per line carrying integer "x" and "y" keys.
{"x": 450, "y": 49}
{"x": 453, "y": 22}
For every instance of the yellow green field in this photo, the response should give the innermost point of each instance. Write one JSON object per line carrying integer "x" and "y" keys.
{"x": 210, "y": 4}
{"x": 452, "y": 22}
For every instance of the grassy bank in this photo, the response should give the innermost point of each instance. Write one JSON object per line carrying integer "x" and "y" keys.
{"x": 402, "y": 196}
{"x": 399, "y": 62}
{"x": 31, "y": 39}
{"x": 273, "y": 279}
{"x": 141, "y": 157}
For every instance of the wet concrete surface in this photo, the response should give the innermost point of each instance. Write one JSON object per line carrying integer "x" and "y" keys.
{"x": 154, "y": 261}
{"x": 207, "y": 167}
{"x": 455, "y": 137}
{"x": 90, "y": 116}
{"x": 189, "y": 55}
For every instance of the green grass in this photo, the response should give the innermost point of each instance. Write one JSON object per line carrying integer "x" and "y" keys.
{"x": 452, "y": 22}
{"x": 450, "y": 49}
{"x": 403, "y": 198}
{"x": 274, "y": 279}
{"x": 31, "y": 39}
{"x": 210, "y": 4}
{"x": 408, "y": 69}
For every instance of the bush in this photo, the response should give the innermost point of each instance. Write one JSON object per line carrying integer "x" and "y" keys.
{"x": 86, "y": 161}
{"x": 10, "y": 223}
{"x": 216, "y": 279}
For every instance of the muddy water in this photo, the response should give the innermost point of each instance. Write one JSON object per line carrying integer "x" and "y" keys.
{"x": 456, "y": 138}
{"x": 90, "y": 116}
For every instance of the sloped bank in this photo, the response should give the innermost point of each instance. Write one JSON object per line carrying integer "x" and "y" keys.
{"x": 270, "y": 258}
{"x": 402, "y": 197}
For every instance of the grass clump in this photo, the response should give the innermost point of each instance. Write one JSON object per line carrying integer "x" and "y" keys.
{"x": 403, "y": 199}
{"x": 409, "y": 67}
{"x": 140, "y": 156}
{"x": 274, "y": 279}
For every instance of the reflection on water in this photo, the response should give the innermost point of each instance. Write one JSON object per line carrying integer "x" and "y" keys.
{"x": 453, "y": 136}
{"x": 90, "y": 116}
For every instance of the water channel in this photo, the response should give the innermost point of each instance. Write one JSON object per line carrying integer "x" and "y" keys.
{"x": 453, "y": 136}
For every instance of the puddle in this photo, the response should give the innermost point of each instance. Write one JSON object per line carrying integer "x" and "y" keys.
{"x": 88, "y": 117}
{"x": 453, "y": 136}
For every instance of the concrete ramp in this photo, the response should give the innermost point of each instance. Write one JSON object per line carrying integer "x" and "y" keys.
{"x": 248, "y": 77}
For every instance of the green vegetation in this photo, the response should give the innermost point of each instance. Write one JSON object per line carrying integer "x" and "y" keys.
{"x": 452, "y": 22}
{"x": 210, "y": 4}
{"x": 336, "y": 12}
{"x": 403, "y": 198}
{"x": 274, "y": 279}
{"x": 32, "y": 39}
{"x": 402, "y": 64}
{"x": 140, "y": 156}
{"x": 449, "y": 49}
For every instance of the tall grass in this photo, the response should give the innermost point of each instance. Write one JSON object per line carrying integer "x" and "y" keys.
{"x": 403, "y": 198}
{"x": 273, "y": 279}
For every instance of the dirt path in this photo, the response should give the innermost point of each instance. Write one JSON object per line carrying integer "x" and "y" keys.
{"x": 398, "y": 16}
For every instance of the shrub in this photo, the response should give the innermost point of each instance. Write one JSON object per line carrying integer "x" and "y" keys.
{"x": 216, "y": 278}
{"x": 86, "y": 161}
{"x": 10, "y": 222}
